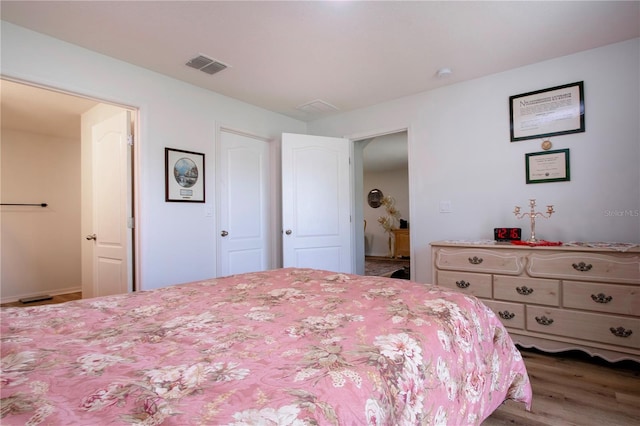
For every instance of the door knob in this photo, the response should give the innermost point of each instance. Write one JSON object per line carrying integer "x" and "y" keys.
{"x": 224, "y": 233}
{"x": 288, "y": 232}
{"x": 91, "y": 237}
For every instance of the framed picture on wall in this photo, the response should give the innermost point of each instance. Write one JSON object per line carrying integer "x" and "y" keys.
{"x": 548, "y": 166}
{"x": 550, "y": 112}
{"x": 184, "y": 176}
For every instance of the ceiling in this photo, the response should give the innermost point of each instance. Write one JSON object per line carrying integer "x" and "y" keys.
{"x": 387, "y": 153}
{"x": 346, "y": 54}
{"x": 35, "y": 110}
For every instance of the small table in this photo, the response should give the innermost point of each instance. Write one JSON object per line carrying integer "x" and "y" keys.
{"x": 402, "y": 245}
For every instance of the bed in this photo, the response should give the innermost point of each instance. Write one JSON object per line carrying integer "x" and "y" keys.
{"x": 290, "y": 346}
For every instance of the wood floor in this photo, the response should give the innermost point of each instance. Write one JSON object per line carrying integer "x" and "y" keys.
{"x": 575, "y": 389}
{"x": 568, "y": 389}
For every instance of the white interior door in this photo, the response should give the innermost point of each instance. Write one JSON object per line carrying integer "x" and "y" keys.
{"x": 316, "y": 203}
{"x": 111, "y": 174}
{"x": 244, "y": 203}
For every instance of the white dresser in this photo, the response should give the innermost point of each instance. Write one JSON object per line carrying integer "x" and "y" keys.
{"x": 552, "y": 298}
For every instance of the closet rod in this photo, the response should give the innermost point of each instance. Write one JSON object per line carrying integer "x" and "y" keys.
{"x": 11, "y": 204}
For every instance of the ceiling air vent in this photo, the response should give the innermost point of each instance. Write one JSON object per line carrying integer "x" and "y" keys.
{"x": 207, "y": 65}
{"x": 317, "y": 106}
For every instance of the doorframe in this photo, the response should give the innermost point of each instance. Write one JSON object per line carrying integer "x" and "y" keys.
{"x": 357, "y": 200}
{"x": 134, "y": 248}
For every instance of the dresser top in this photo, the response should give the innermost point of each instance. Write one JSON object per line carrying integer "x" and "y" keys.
{"x": 571, "y": 246}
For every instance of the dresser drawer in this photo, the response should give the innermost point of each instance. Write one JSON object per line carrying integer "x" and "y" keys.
{"x": 511, "y": 314}
{"x": 617, "y": 299}
{"x": 478, "y": 285}
{"x": 527, "y": 290}
{"x": 477, "y": 260}
{"x": 619, "y": 268}
{"x": 555, "y": 284}
{"x": 615, "y": 330}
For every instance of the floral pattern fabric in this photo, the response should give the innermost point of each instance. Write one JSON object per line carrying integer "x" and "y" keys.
{"x": 283, "y": 347}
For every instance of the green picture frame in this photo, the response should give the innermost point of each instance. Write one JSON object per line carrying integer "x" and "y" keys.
{"x": 548, "y": 166}
{"x": 549, "y": 112}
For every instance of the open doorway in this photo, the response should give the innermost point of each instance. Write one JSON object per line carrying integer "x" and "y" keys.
{"x": 385, "y": 207}
{"x": 42, "y": 163}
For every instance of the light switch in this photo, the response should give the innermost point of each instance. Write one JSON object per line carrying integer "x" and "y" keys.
{"x": 445, "y": 207}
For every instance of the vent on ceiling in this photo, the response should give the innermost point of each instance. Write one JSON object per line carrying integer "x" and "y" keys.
{"x": 317, "y": 106}
{"x": 205, "y": 64}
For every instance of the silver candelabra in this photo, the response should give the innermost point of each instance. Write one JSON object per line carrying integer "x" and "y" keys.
{"x": 532, "y": 215}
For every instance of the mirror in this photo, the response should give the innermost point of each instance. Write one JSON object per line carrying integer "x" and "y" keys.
{"x": 375, "y": 198}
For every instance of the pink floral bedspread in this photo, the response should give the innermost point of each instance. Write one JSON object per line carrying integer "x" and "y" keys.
{"x": 283, "y": 347}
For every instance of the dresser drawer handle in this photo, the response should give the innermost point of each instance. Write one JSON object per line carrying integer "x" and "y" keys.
{"x": 475, "y": 260}
{"x": 463, "y": 284}
{"x": 601, "y": 298}
{"x": 544, "y": 320}
{"x": 506, "y": 315}
{"x": 582, "y": 267}
{"x": 620, "y": 332}
{"x": 524, "y": 290}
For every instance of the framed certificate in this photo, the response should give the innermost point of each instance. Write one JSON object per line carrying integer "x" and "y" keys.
{"x": 547, "y": 166}
{"x": 549, "y": 112}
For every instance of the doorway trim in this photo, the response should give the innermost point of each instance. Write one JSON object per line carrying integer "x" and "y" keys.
{"x": 134, "y": 249}
{"x": 356, "y": 199}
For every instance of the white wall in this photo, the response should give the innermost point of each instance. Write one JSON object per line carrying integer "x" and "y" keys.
{"x": 40, "y": 246}
{"x": 459, "y": 150}
{"x": 172, "y": 114}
